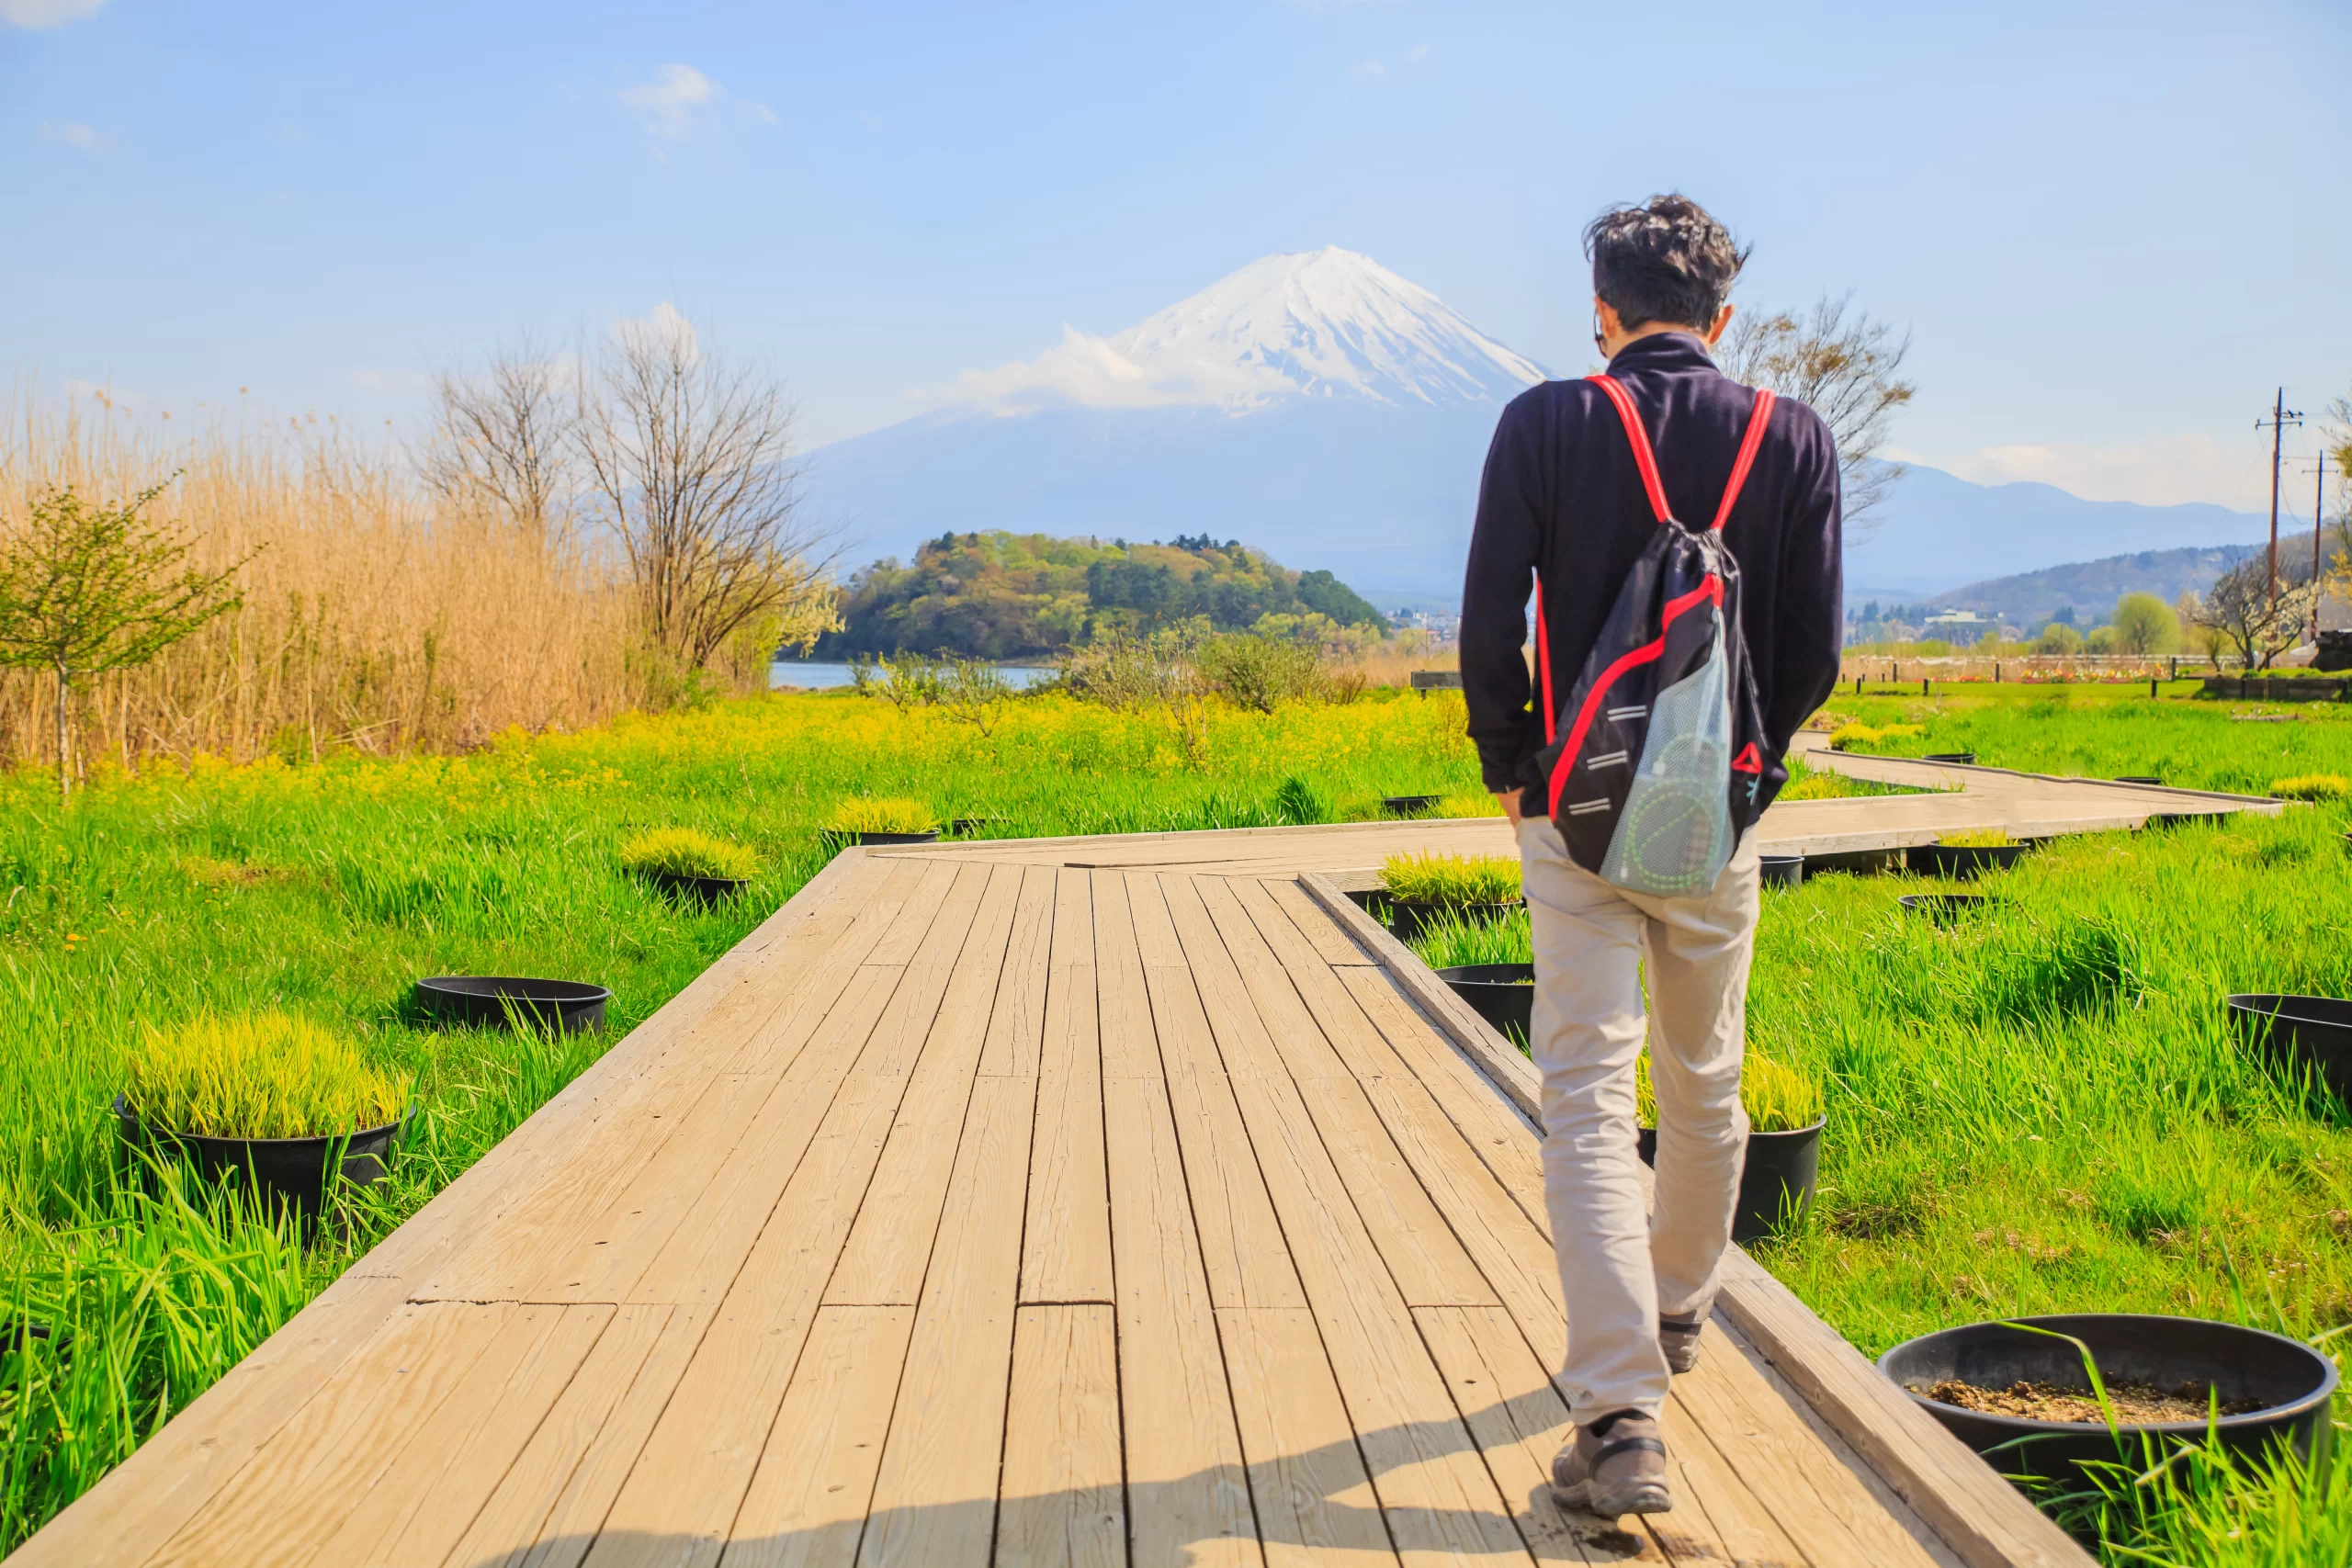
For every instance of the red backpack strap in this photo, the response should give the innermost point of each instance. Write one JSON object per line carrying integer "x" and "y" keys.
{"x": 1758, "y": 418}
{"x": 1638, "y": 438}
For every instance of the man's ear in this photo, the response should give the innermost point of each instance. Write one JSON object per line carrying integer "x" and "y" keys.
{"x": 1611, "y": 326}
{"x": 1715, "y": 328}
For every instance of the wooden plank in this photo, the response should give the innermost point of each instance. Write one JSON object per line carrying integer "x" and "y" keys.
{"x": 1506, "y": 1142}
{"x": 1282, "y": 968}
{"x": 1187, "y": 1495}
{"x": 891, "y": 1242}
{"x": 1518, "y": 1421}
{"x": 1323, "y": 1115}
{"x": 808, "y": 1501}
{"x": 1016, "y": 1023}
{"x": 680, "y": 1496}
{"x": 1282, "y": 1037}
{"x": 1434, "y": 1492}
{"x": 1066, "y": 1253}
{"x": 1329, "y": 939}
{"x": 1494, "y": 1056}
{"x": 1981, "y": 1517}
{"x": 1130, "y": 1048}
{"x": 1315, "y": 1504}
{"x": 414, "y": 1515}
{"x": 160, "y": 1487}
{"x": 513, "y": 1245}
{"x": 1716, "y": 1518}
{"x": 707, "y": 1242}
{"x": 568, "y": 1527}
{"x": 291, "y": 1494}
{"x": 1155, "y": 940}
{"x": 1825, "y": 1510}
{"x": 509, "y": 1524}
{"x": 1063, "y": 1502}
{"x": 897, "y": 1039}
{"x": 935, "y": 1499}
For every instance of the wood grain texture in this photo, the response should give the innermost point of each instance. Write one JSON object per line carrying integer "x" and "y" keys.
{"x": 1315, "y": 1500}
{"x": 808, "y": 1499}
{"x": 1066, "y": 1253}
{"x": 1064, "y": 1502}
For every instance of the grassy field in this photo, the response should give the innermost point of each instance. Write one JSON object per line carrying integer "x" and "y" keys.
{"x": 2028, "y": 1112}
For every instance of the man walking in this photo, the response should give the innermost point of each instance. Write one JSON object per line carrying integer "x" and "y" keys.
{"x": 1564, "y": 503}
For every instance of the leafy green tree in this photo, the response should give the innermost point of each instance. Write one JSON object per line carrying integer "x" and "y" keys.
{"x": 2058, "y": 638}
{"x": 86, "y": 589}
{"x": 2144, "y": 625}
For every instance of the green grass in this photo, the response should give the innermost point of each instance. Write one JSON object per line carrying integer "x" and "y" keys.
{"x": 686, "y": 851}
{"x": 1455, "y": 880}
{"x": 1976, "y": 839}
{"x": 863, "y": 814}
{"x": 2038, "y": 1109}
{"x": 268, "y": 1075}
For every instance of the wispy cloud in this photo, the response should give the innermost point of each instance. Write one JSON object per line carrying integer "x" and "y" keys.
{"x": 69, "y": 133}
{"x": 680, "y": 100}
{"x": 1369, "y": 68}
{"x": 666, "y": 326}
{"x": 45, "y": 13}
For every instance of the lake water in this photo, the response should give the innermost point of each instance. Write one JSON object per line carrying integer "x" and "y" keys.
{"x": 811, "y": 674}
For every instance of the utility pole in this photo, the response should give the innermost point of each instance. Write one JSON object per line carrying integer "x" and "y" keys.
{"x": 2280, "y": 417}
{"x": 2319, "y": 510}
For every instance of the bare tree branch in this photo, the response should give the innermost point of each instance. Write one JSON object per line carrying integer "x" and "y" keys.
{"x": 506, "y": 438}
{"x": 1845, "y": 368}
{"x": 689, "y": 463}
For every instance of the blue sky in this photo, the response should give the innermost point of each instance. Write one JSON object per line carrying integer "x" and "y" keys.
{"x": 2112, "y": 230}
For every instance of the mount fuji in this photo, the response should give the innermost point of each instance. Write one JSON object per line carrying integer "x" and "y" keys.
{"x": 1320, "y": 407}
{"x": 1314, "y": 405}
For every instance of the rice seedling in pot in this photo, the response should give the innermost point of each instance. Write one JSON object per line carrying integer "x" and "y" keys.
{"x": 1472, "y": 886}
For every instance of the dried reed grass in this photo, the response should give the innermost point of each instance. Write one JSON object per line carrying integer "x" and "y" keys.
{"x": 376, "y": 617}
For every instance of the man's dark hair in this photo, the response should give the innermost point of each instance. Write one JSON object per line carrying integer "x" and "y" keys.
{"x": 1665, "y": 261}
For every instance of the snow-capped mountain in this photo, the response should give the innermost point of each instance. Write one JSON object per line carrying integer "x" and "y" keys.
{"x": 1327, "y": 323}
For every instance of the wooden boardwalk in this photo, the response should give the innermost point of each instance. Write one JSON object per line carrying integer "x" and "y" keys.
{"x": 1115, "y": 1201}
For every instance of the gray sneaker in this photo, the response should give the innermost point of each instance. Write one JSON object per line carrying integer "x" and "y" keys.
{"x": 1678, "y": 1338}
{"x": 1620, "y": 1469}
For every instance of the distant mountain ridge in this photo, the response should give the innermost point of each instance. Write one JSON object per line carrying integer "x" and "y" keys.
{"x": 1336, "y": 416}
{"x": 2091, "y": 588}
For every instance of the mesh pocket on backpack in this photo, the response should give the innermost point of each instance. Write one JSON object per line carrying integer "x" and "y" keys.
{"x": 1674, "y": 836}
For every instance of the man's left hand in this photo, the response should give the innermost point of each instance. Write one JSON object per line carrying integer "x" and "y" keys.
{"x": 1510, "y": 798}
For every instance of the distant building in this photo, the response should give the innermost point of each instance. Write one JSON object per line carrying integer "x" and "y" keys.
{"x": 1960, "y": 627}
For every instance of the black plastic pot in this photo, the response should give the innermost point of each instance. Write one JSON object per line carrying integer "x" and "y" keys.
{"x": 1406, "y": 919}
{"x": 1405, "y": 805}
{"x": 930, "y": 838}
{"x": 2298, "y": 1030}
{"x": 2138, "y": 779}
{"x": 1967, "y": 759}
{"x": 1777, "y": 1176}
{"x": 1502, "y": 994}
{"x": 1963, "y": 860}
{"x": 484, "y": 1000}
{"x": 289, "y": 1171}
{"x": 2293, "y": 1382}
{"x": 1945, "y": 908}
{"x": 698, "y": 889}
{"x": 1782, "y": 871}
{"x": 958, "y": 827}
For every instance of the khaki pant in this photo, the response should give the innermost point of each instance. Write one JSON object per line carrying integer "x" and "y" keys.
{"x": 1618, "y": 1270}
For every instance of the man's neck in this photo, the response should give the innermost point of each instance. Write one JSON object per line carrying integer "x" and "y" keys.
{"x": 1656, "y": 329}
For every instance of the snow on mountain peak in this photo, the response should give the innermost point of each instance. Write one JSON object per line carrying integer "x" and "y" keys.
{"x": 1327, "y": 323}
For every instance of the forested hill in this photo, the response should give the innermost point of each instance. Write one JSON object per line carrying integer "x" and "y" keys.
{"x": 1002, "y": 595}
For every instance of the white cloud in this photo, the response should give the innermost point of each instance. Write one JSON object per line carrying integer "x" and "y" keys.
{"x": 667, "y": 105}
{"x": 2163, "y": 472}
{"x": 665, "y": 326}
{"x": 68, "y": 133}
{"x": 1093, "y": 372}
{"x": 45, "y": 13}
{"x": 1369, "y": 68}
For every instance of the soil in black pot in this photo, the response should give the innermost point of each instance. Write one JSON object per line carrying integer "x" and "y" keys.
{"x": 2016, "y": 1395}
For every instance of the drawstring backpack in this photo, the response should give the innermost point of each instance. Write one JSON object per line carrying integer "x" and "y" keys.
{"x": 1653, "y": 766}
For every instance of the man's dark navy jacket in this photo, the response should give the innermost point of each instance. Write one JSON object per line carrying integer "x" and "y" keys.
{"x": 1563, "y": 499}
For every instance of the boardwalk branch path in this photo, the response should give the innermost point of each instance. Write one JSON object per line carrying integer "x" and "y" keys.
{"x": 1127, "y": 1201}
